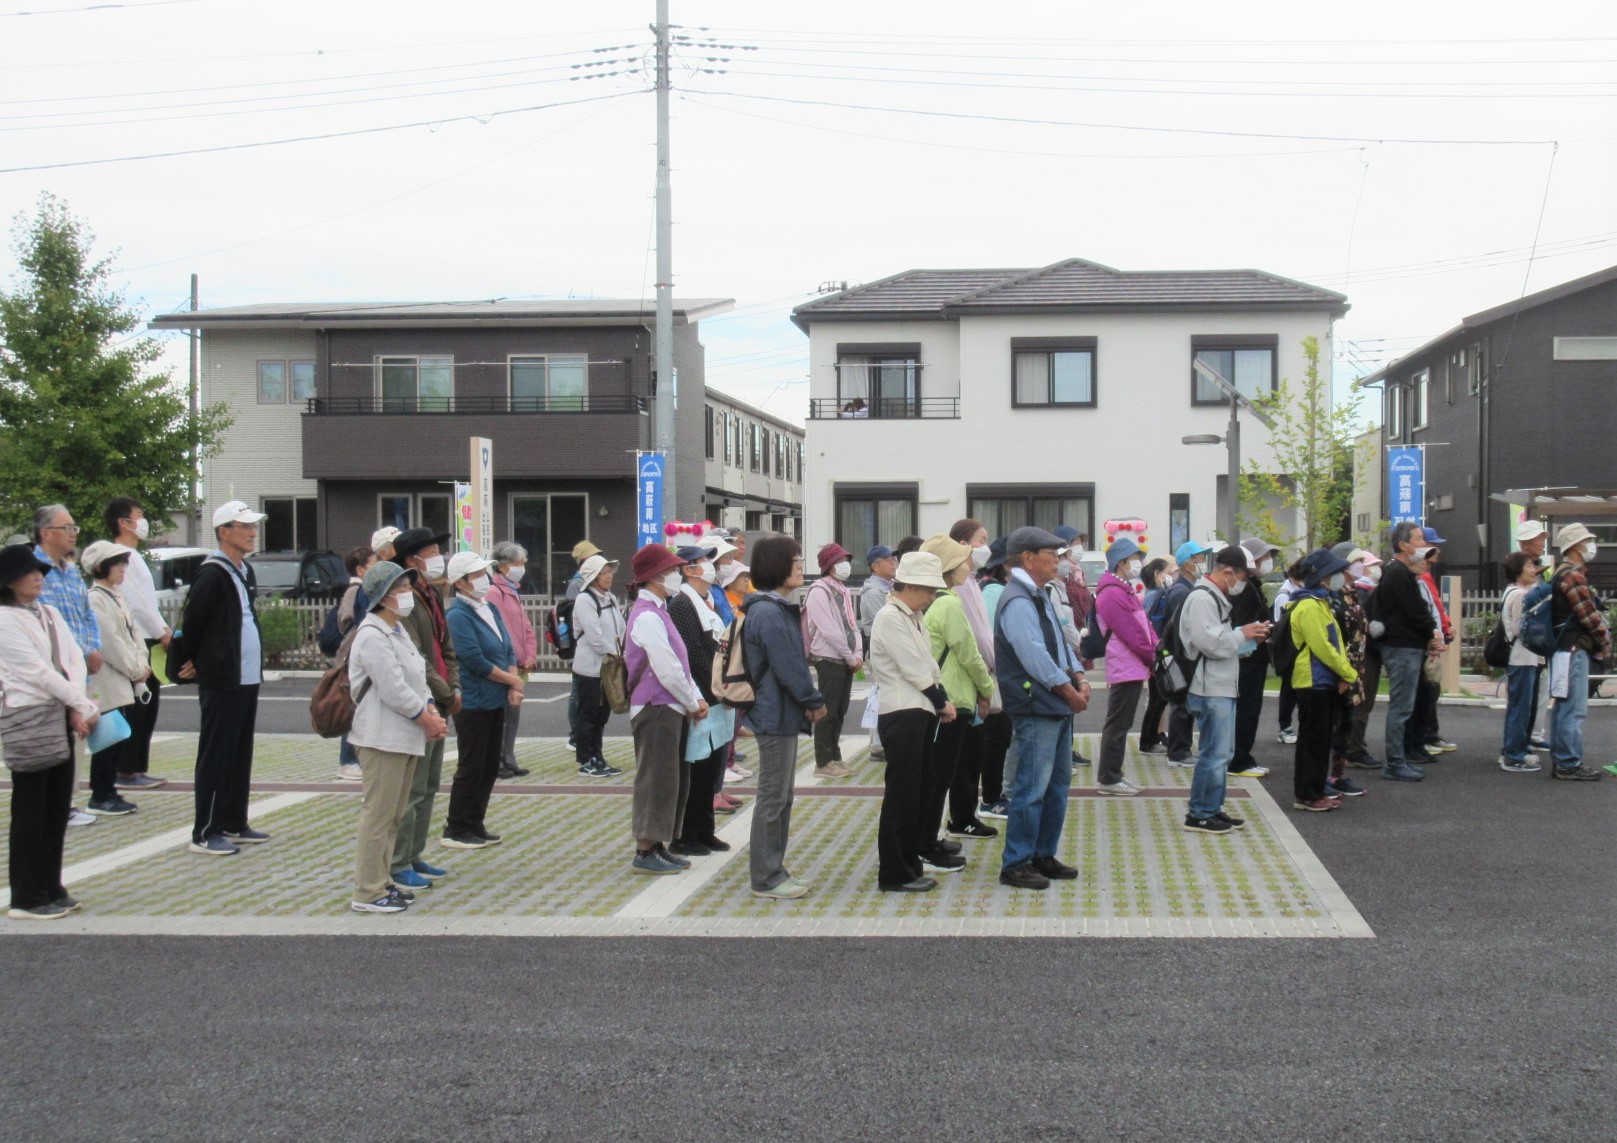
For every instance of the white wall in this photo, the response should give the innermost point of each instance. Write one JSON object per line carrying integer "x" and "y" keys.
{"x": 1128, "y": 446}
{"x": 262, "y": 452}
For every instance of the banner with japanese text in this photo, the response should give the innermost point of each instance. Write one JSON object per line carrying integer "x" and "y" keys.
{"x": 649, "y": 498}
{"x": 1406, "y": 485}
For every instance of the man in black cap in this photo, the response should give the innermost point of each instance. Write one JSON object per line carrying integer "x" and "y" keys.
{"x": 1042, "y": 684}
{"x": 419, "y": 549}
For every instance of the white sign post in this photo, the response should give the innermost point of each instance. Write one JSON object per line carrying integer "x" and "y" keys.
{"x": 483, "y": 493}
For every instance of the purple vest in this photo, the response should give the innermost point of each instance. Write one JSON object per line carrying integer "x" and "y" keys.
{"x": 645, "y": 688}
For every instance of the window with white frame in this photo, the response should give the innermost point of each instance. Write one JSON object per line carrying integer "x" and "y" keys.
{"x": 1395, "y": 411}
{"x": 415, "y": 384}
{"x": 708, "y": 416}
{"x": 302, "y": 380}
{"x": 272, "y": 382}
{"x": 555, "y": 382}
{"x": 1586, "y": 349}
{"x": 1420, "y": 389}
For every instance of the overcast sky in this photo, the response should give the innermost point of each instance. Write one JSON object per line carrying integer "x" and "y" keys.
{"x": 1398, "y": 152}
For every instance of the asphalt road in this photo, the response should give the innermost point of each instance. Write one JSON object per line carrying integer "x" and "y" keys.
{"x": 1481, "y": 1011}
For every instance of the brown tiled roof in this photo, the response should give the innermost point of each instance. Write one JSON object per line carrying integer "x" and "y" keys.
{"x": 1073, "y": 284}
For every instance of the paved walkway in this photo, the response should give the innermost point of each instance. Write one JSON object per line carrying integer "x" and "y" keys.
{"x": 563, "y": 868}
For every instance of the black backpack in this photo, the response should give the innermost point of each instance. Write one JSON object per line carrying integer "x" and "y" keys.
{"x": 1093, "y": 645}
{"x": 1282, "y": 649}
{"x": 1172, "y": 672}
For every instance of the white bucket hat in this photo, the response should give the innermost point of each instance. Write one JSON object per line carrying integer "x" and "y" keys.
{"x": 1571, "y": 536}
{"x": 593, "y": 567}
{"x": 920, "y": 569}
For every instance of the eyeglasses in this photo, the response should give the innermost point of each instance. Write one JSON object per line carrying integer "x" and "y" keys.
{"x": 70, "y": 529}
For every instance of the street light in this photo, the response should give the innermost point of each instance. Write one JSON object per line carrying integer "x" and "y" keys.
{"x": 1231, "y": 440}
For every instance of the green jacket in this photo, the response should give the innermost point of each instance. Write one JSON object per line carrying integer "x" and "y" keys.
{"x": 1317, "y": 636}
{"x": 965, "y": 676}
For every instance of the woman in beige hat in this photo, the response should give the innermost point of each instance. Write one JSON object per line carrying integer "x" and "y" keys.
{"x": 121, "y": 681}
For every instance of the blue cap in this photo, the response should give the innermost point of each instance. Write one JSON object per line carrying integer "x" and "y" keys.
{"x": 1320, "y": 565}
{"x": 879, "y": 552}
{"x": 996, "y": 553}
{"x": 1067, "y": 532}
{"x": 1432, "y": 537}
{"x": 693, "y": 555}
{"x": 1189, "y": 550}
{"x": 1122, "y": 548}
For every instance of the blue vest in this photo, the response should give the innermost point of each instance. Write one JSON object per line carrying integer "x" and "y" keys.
{"x": 1019, "y": 691}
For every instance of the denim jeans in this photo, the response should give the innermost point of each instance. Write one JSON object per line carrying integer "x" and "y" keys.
{"x": 1402, "y": 666}
{"x": 1521, "y": 684}
{"x": 1566, "y": 720}
{"x": 346, "y": 754}
{"x": 1038, "y": 795}
{"x": 1217, "y": 719}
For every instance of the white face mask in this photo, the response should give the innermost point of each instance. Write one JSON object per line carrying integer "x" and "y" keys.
{"x": 480, "y": 585}
{"x": 842, "y": 570}
{"x": 1238, "y": 587}
{"x": 1356, "y": 569}
{"x": 1374, "y": 574}
{"x": 979, "y": 557}
{"x": 709, "y": 572}
{"x": 671, "y": 581}
{"x": 1063, "y": 568}
{"x": 1265, "y": 566}
{"x": 143, "y": 528}
{"x": 1131, "y": 569}
{"x": 1191, "y": 570}
{"x": 515, "y": 573}
{"x": 435, "y": 566}
{"x": 1589, "y": 552}
{"x": 403, "y": 604}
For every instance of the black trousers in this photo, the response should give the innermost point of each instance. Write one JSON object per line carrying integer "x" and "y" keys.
{"x": 1122, "y": 700}
{"x": 480, "y": 734}
{"x": 1422, "y": 725}
{"x": 1248, "y": 708}
{"x": 136, "y": 757}
{"x": 224, "y": 771}
{"x": 39, "y": 804}
{"x": 907, "y": 737}
{"x": 698, "y": 824}
{"x": 836, "y": 685}
{"x": 968, "y": 774}
{"x": 1311, "y": 759}
{"x": 1180, "y": 728}
{"x": 593, "y": 714}
{"x": 1370, "y": 678}
{"x": 1288, "y": 703}
{"x": 940, "y": 772}
{"x": 1151, "y": 725}
{"x": 106, "y": 765}
{"x": 996, "y": 743}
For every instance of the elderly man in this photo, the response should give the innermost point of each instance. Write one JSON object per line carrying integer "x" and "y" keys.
{"x": 1532, "y": 538}
{"x": 1042, "y": 685}
{"x": 1407, "y": 630}
{"x": 1251, "y": 607}
{"x": 125, "y": 521}
{"x": 1582, "y": 634}
{"x": 1191, "y": 556}
{"x": 56, "y": 537}
{"x": 218, "y": 646}
{"x": 1206, "y": 634}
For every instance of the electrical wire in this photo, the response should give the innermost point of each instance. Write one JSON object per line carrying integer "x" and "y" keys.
{"x": 100, "y": 7}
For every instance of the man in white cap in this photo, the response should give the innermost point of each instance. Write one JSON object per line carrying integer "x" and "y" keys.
{"x": 1533, "y": 537}
{"x": 382, "y": 541}
{"x": 1581, "y": 625}
{"x": 218, "y": 647}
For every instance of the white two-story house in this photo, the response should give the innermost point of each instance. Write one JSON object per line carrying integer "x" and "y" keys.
{"x": 1046, "y": 396}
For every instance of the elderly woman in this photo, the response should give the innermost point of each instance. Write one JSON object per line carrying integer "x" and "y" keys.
{"x": 489, "y": 686}
{"x": 42, "y": 673}
{"x": 510, "y": 567}
{"x": 394, "y": 717}
{"x": 600, "y": 626}
{"x": 968, "y": 682}
{"x": 707, "y": 740}
{"x": 914, "y": 708}
{"x": 1321, "y": 675}
{"x": 121, "y": 681}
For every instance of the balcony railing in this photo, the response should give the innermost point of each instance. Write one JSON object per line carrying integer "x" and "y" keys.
{"x": 885, "y": 409}
{"x": 330, "y": 406}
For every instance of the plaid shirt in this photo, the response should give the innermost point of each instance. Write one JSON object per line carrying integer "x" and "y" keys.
{"x": 1574, "y": 590}
{"x": 65, "y": 590}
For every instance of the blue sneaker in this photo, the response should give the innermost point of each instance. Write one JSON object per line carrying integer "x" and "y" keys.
{"x": 1347, "y": 787}
{"x": 431, "y": 872}
{"x": 410, "y": 879}
{"x": 215, "y": 846}
{"x": 247, "y": 835}
{"x": 1403, "y": 772}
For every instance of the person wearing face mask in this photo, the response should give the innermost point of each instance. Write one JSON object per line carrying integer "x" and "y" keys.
{"x": 1428, "y": 743}
{"x": 985, "y": 742}
{"x": 707, "y": 740}
{"x": 1354, "y": 625}
{"x": 394, "y": 718}
{"x": 1131, "y": 649}
{"x": 349, "y": 611}
{"x": 1251, "y": 606}
{"x": 490, "y": 686}
{"x": 662, "y": 695}
{"x": 969, "y": 686}
{"x": 831, "y": 634}
{"x": 1407, "y": 631}
{"x": 1205, "y": 632}
{"x": 420, "y": 551}
{"x": 1192, "y": 557}
{"x": 126, "y": 523}
{"x": 1321, "y": 676}
{"x": 509, "y": 570}
{"x": 1364, "y": 573}
{"x": 1289, "y": 587}
{"x": 872, "y": 598}
{"x": 1080, "y": 602}
{"x": 1575, "y": 611}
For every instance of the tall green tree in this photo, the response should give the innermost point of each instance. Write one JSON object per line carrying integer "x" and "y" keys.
{"x": 1312, "y": 470}
{"x": 84, "y": 415}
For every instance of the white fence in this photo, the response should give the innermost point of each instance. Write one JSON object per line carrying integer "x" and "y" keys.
{"x": 291, "y": 632}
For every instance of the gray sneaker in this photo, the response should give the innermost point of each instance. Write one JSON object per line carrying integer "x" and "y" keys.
{"x": 51, "y": 912}
{"x": 655, "y": 863}
{"x": 788, "y": 890}
{"x": 1122, "y": 788}
{"x": 215, "y": 846}
{"x": 1526, "y": 765}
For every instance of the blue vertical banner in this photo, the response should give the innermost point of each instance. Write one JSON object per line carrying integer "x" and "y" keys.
{"x": 1406, "y": 485}
{"x": 649, "y": 497}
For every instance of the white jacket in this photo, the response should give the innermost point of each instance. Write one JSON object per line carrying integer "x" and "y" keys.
{"x": 123, "y": 652}
{"x": 901, "y": 659}
{"x": 597, "y": 632}
{"x": 385, "y": 658}
{"x": 26, "y": 674}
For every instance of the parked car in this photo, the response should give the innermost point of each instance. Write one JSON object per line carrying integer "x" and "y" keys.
{"x": 305, "y": 577}
{"x": 174, "y": 570}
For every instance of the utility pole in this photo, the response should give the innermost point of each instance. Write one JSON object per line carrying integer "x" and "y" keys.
{"x": 664, "y": 332}
{"x": 194, "y": 336}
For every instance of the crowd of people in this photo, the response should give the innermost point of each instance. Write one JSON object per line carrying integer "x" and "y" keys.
{"x": 977, "y": 652}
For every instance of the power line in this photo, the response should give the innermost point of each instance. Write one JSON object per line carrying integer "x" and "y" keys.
{"x": 100, "y": 7}
{"x": 430, "y": 123}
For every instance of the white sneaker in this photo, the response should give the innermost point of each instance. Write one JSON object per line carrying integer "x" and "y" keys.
{"x": 77, "y": 817}
{"x": 1287, "y": 736}
{"x": 350, "y": 772}
{"x": 733, "y": 776}
{"x": 1122, "y": 788}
